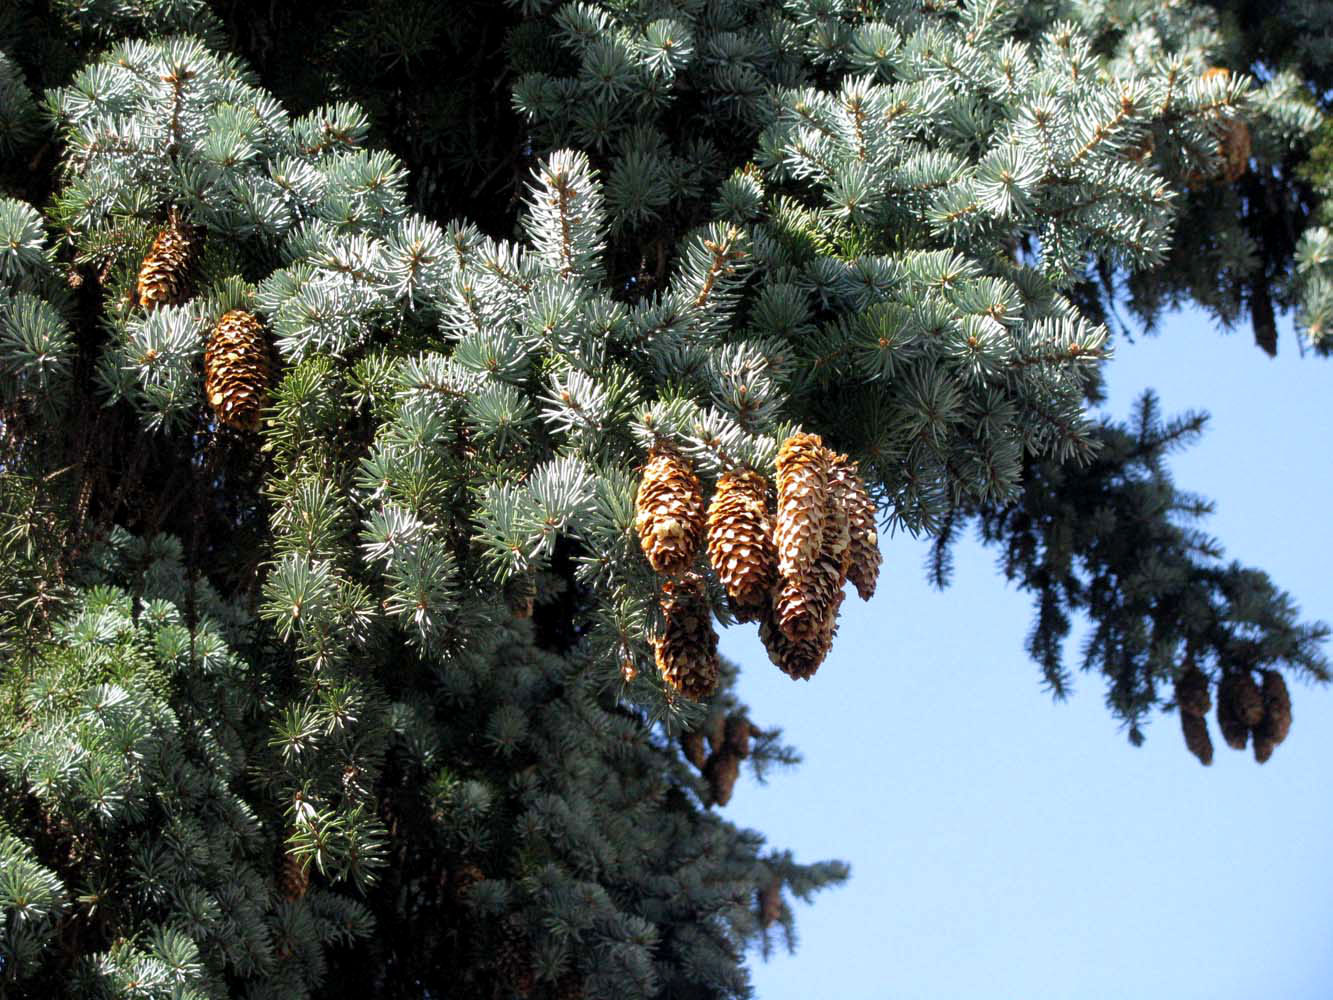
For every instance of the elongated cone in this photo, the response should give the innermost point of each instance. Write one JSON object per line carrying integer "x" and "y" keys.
{"x": 670, "y": 512}
{"x": 293, "y": 877}
{"x": 806, "y": 604}
{"x": 797, "y": 658}
{"x": 1276, "y": 721}
{"x": 520, "y": 594}
{"x": 1239, "y": 707}
{"x": 722, "y": 770}
{"x": 770, "y": 903}
{"x": 236, "y": 370}
{"x": 462, "y": 879}
{"x": 802, "y": 494}
{"x": 849, "y": 492}
{"x": 738, "y": 735}
{"x": 740, "y": 541}
{"x": 1192, "y": 692}
{"x": 163, "y": 276}
{"x": 1233, "y": 138}
{"x": 513, "y": 958}
{"x": 692, "y": 744}
{"x": 686, "y": 651}
{"x": 1195, "y": 728}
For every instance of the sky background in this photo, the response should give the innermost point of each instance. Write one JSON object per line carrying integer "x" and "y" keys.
{"x": 1004, "y": 845}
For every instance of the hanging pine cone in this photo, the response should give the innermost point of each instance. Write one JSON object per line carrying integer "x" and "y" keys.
{"x": 1240, "y": 706}
{"x": 805, "y": 604}
{"x": 513, "y": 958}
{"x": 849, "y": 493}
{"x": 721, "y": 772}
{"x": 236, "y": 370}
{"x": 569, "y": 987}
{"x": 797, "y": 658}
{"x": 520, "y": 594}
{"x": 802, "y": 495}
{"x": 1197, "y": 741}
{"x": 1276, "y": 721}
{"x": 463, "y": 878}
{"x": 1192, "y": 692}
{"x": 293, "y": 876}
{"x": 717, "y": 731}
{"x": 670, "y": 512}
{"x": 740, "y": 541}
{"x": 692, "y": 745}
{"x": 737, "y": 738}
{"x": 164, "y": 272}
{"x": 1233, "y": 140}
{"x": 770, "y": 903}
{"x": 687, "y": 648}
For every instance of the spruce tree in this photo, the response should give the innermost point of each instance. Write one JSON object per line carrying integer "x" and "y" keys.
{"x": 395, "y": 399}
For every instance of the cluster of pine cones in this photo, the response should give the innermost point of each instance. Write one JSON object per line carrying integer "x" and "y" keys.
{"x": 236, "y": 357}
{"x": 783, "y": 559}
{"x": 1244, "y": 709}
{"x": 719, "y": 759}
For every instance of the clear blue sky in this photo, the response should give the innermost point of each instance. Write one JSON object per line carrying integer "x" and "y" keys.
{"x": 1006, "y": 846}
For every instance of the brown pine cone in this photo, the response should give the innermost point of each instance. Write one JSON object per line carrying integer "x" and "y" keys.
{"x": 805, "y": 604}
{"x": 293, "y": 877}
{"x": 236, "y": 370}
{"x": 740, "y": 541}
{"x": 670, "y": 512}
{"x": 802, "y": 500}
{"x": 1192, "y": 696}
{"x": 738, "y": 735}
{"x": 721, "y": 771}
{"x": 569, "y": 987}
{"x": 1276, "y": 721}
{"x": 770, "y": 903}
{"x": 463, "y": 878}
{"x": 692, "y": 745}
{"x": 686, "y": 651}
{"x": 520, "y": 594}
{"x": 513, "y": 958}
{"x": 1195, "y": 728}
{"x": 1239, "y": 707}
{"x": 164, "y": 274}
{"x": 797, "y": 658}
{"x": 849, "y": 493}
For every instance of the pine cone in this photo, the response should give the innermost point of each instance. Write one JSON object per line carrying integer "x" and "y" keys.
{"x": 1196, "y": 737}
{"x": 293, "y": 877}
{"x": 717, "y": 731}
{"x": 520, "y": 594}
{"x": 164, "y": 272}
{"x": 802, "y": 495}
{"x": 740, "y": 541}
{"x": 464, "y": 878}
{"x": 692, "y": 745}
{"x": 687, "y": 648}
{"x": 770, "y": 903}
{"x": 849, "y": 493}
{"x": 805, "y": 604}
{"x": 1239, "y": 707}
{"x": 1276, "y": 721}
{"x": 738, "y": 735}
{"x": 1233, "y": 140}
{"x": 1192, "y": 692}
{"x": 670, "y": 518}
{"x": 721, "y": 772}
{"x": 236, "y": 370}
{"x": 569, "y": 987}
{"x": 798, "y": 659}
{"x": 513, "y": 958}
